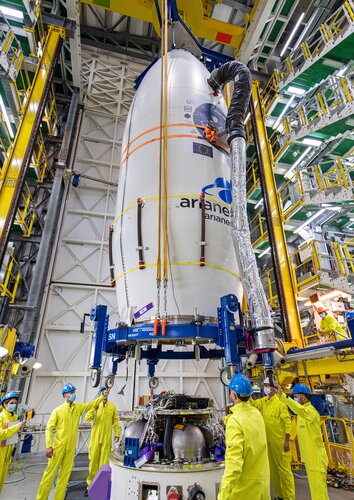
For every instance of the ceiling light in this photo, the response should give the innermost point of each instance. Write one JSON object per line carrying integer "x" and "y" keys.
{"x": 37, "y": 365}
{"x": 264, "y": 253}
{"x": 277, "y": 123}
{"x": 342, "y": 71}
{"x": 311, "y": 219}
{"x": 6, "y": 117}
{"x": 299, "y": 160}
{"x": 3, "y": 351}
{"x": 292, "y": 34}
{"x": 260, "y": 203}
{"x": 296, "y": 91}
{"x": 312, "y": 142}
{"x": 334, "y": 293}
{"x": 11, "y": 12}
{"x": 331, "y": 63}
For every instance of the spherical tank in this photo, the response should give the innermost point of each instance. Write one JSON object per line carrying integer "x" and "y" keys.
{"x": 195, "y": 166}
{"x": 188, "y": 442}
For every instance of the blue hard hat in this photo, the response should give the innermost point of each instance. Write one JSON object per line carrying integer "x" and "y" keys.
{"x": 300, "y": 389}
{"x": 8, "y": 396}
{"x": 241, "y": 385}
{"x": 102, "y": 388}
{"x": 67, "y": 388}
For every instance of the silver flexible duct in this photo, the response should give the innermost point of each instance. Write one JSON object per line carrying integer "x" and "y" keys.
{"x": 261, "y": 321}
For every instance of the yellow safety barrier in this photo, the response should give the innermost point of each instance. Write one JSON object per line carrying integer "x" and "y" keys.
{"x": 336, "y": 436}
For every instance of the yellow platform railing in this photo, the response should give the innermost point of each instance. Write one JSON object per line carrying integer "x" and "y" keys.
{"x": 26, "y": 212}
{"x": 258, "y": 228}
{"x": 324, "y": 177}
{"x": 325, "y": 35}
{"x": 10, "y": 274}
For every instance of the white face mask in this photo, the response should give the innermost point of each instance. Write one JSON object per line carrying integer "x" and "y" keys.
{"x": 266, "y": 390}
{"x": 296, "y": 400}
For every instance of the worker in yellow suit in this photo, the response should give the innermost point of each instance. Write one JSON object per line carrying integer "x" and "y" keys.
{"x": 277, "y": 421}
{"x": 309, "y": 435}
{"x": 65, "y": 421}
{"x": 7, "y": 430}
{"x": 330, "y": 326}
{"x": 246, "y": 475}
{"x": 104, "y": 416}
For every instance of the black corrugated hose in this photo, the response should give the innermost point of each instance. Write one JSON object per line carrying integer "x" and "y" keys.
{"x": 241, "y": 75}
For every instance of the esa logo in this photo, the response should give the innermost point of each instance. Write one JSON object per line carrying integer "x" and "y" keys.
{"x": 221, "y": 188}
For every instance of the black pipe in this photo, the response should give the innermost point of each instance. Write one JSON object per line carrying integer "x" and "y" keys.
{"x": 202, "y": 238}
{"x": 140, "y": 235}
{"x": 241, "y": 76}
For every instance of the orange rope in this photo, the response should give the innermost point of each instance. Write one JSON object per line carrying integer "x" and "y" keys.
{"x": 171, "y": 136}
{"x": 171, "y": 125}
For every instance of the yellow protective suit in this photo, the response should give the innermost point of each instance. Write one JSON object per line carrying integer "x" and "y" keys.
{"x": 65, "y": 420}
{"x": 330, "y": 326}
{"x": 246, "y": 475}
{"x": 101, "y": 436}
{"x": 312, "y": 448}
{"x": 6, "y": 451}
{"x": 277, "y": 422}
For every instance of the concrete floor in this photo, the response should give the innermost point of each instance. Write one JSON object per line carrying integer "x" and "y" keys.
{"x": 26, "y": 489}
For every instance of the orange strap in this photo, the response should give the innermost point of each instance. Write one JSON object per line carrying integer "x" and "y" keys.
{"x": 210, "y": 135}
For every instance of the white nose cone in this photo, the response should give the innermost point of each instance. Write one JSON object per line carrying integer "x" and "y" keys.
{"x": 195, "y": 166}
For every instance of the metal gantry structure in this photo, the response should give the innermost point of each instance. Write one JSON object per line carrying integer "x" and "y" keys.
{"x": 302, "y": 116}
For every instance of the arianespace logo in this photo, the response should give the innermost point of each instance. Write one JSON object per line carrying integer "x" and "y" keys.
{"x": 220, "y": 189}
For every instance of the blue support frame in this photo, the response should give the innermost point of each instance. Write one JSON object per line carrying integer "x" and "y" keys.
{"x": 226, "y": 334}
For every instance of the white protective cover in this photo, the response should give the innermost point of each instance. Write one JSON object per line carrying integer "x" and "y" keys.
{"x": 193, "y": 165}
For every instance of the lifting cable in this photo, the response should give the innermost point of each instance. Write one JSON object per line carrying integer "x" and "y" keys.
{"x": 165, "y": 164}
{"x": 161, "y": 158}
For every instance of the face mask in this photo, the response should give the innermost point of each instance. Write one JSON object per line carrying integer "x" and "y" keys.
{"x": 323, "y": 315}
{"x": 266, "y": 390}
{"x": 72, "y": 397}
{"x": 296, "y": 400}
{"x": 11, "y": 407}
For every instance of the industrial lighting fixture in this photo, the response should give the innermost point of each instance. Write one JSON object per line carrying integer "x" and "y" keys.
{"x": 327, "y": 296}
{"x": 3, "y": 351}
{"x": 37, "y": 365}
{"x": 264, "y": 253}
{"x": 324, "y": 352}
{"x": 299, "y": 160}
{"x": 259, "y": 203}
{"x": 342, "y": 71}
{"x": 311, "y": 142}
{"x": 292, "y": 34}
{"x": 296, "y": 91}
{"x": 277, "y": 123}
{"x": 311, "y": 219}
{"x": 11, "y": 12}
{"x": 6, "y": 117}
